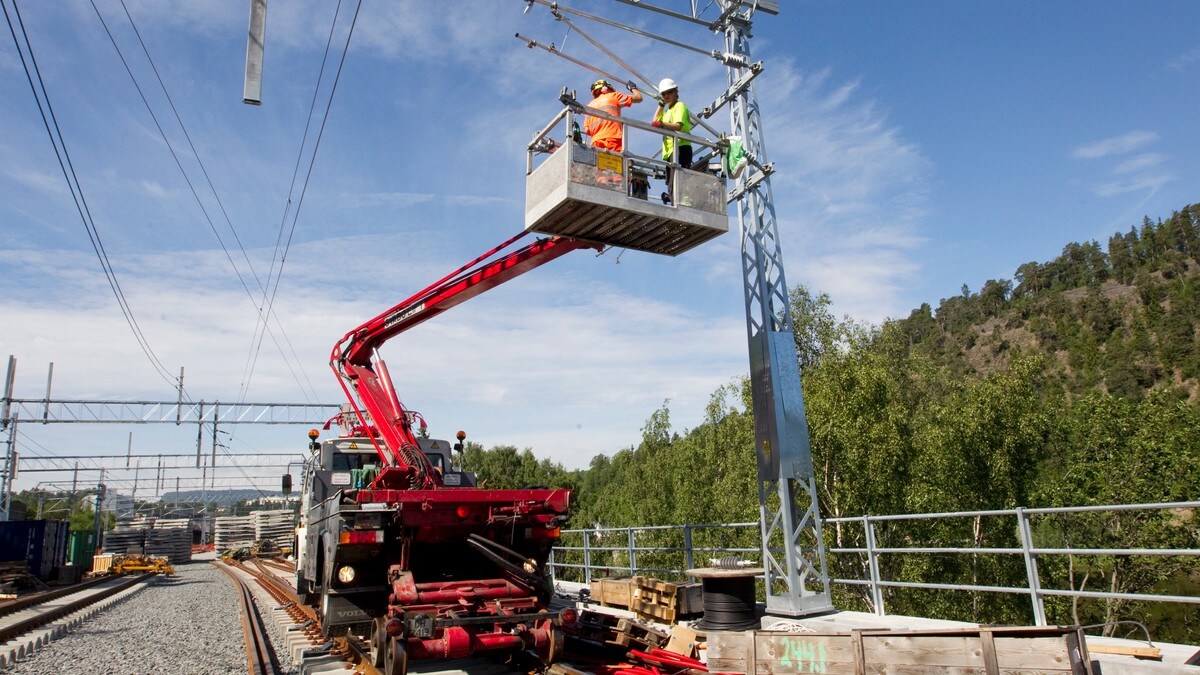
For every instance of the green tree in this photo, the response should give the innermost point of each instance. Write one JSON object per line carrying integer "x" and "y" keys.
{"x": 1110, "y": 450}
{"x": 815, "y": 329}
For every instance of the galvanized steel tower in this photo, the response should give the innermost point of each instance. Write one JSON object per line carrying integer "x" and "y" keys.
{"x": 789, "y": 515}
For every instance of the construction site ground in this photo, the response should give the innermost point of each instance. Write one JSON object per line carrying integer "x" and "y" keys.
{"x": 1115, "y": 656}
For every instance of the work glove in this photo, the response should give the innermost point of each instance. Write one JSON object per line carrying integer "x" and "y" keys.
{"x": 656, "y": 123}
{"x": 631, "y": 85}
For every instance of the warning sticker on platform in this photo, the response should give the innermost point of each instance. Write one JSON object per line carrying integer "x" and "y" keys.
{"x": 607, "y": 162}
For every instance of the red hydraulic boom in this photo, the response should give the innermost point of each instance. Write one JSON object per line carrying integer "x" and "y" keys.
{"x": 356, "y": 361}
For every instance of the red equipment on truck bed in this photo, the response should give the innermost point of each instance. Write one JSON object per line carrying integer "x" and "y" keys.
{"x": 398, "y": 541}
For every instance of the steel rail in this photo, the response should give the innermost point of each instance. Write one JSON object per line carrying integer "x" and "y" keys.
{"x": 280, "y": 565}
{"x": 10, "y": 606}
{"x": 358, "y": 653}
{"x": 349, "y": 648}
{"x": 282, "y": 591}
{"x": 17, "y": 628}
{"x": 260, "y": 655}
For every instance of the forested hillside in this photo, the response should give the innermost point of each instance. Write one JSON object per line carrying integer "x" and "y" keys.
{"x": 1077, "y": 385}
{"x": 1120, "y": 319}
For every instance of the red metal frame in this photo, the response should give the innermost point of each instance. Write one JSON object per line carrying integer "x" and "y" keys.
{"x": 358, "y": 367}
{"x": 505, "y": 613}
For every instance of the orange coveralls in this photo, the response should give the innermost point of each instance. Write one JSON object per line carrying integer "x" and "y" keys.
{"x": 605, "y": 133}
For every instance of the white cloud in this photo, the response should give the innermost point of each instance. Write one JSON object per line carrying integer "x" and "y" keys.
{"x": 548, "y": 350}
{"x": 37, "y": 180}
{"x": 1115, "y": 145}
{"x": 1143, "y": 161}
{"x": 1148, "y": 182}
{"x": 1185, "y": 60}
{"x": 867, "y": 282}
{"x": 1141, "y": 172}
{"x": 155, "y": 189}
{"x": 855, "y": 193}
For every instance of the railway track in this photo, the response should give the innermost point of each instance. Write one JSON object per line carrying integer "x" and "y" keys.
{"x": 297, "y": 620}
{"x": 312, "y": 653}
{"x": 17, "y": 604}
{"x": 261, "y": 658}
{"x": 31, "y": 622}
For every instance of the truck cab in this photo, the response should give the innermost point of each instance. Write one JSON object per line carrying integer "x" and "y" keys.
{"x": 340, "y": 544}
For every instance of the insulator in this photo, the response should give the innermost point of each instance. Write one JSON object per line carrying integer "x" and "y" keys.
{"x": 729, "y": 562}
{"x": 731, "y": 59}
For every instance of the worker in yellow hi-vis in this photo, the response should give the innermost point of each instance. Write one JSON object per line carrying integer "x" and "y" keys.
{"x": 673, "y": 115}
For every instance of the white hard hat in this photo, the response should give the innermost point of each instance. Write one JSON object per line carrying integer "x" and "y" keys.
{"x": 667, "y": 85}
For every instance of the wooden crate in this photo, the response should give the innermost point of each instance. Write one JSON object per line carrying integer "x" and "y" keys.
{"x": 664, "y": 601}
{"x": 988, "y": 651}
{"x": 102, "y": 563}
{"x": 613, "y": 592}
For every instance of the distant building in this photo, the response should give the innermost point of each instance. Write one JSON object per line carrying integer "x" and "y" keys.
{"x": 119, "y": 504}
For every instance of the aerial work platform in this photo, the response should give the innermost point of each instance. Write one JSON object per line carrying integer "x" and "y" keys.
{"x": 599, "y": 196}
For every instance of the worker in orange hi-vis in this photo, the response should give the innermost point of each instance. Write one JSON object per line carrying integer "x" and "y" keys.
{"x": 607, "y": 134}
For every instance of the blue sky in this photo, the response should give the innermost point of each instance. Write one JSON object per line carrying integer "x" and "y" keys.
{"x": 919, "y": 146}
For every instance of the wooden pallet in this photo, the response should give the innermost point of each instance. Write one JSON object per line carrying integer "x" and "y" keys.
{"x": 15, "y": 575}
{"x": 664, "y": 601}
{"x": 618, "y": 631}
{"x": 633, "y": 634}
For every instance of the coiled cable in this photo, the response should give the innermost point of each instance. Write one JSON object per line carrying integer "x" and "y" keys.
{"x": 729, "y": 603}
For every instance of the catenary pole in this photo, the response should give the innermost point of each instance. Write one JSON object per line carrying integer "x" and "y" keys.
{"x": 793, "y": 550}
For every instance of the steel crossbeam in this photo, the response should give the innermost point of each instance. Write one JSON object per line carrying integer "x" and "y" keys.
{"x": 64, "y": 411}
{"x": 163, "y": 462}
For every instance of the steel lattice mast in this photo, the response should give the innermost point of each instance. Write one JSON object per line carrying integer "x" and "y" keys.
{"x": 792, "y": 546}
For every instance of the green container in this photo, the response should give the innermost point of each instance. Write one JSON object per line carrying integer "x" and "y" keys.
{"x": 81, "y": 547}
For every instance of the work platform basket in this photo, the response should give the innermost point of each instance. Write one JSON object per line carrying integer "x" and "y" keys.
{"x": 600, "y": 196}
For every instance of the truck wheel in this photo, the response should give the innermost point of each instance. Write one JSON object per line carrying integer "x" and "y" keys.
{"x": 396, "y": 658}
{"x": 379, "y": 640}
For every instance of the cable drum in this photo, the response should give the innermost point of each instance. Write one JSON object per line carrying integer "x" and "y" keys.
{"x": 729, "y": 602}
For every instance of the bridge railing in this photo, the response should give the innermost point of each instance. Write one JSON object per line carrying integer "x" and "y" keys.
{"x": 1057, "y": 548}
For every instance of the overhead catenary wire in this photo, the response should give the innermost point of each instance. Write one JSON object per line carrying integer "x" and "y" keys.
{"x": 245, "y": 256}
{"x": 58, "y": 141}
{"x": 192, "y": 187}
{"x": 595, "y": 43}
{"x": 557, "y": 11}
{"x": 255, "y": 343}
{"x": 557, "y": 52}
{"x": 554, "y": 6}
{"x": 282, "y": 255}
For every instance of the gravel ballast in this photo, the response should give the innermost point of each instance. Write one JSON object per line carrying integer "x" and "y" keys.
{"x": 188, "y": 623}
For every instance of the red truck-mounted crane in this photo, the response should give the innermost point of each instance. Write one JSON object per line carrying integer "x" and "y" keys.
{"x": 394, "y": 540}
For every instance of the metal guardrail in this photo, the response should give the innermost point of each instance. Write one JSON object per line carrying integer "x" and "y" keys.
{"x": 583, "y": 560}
